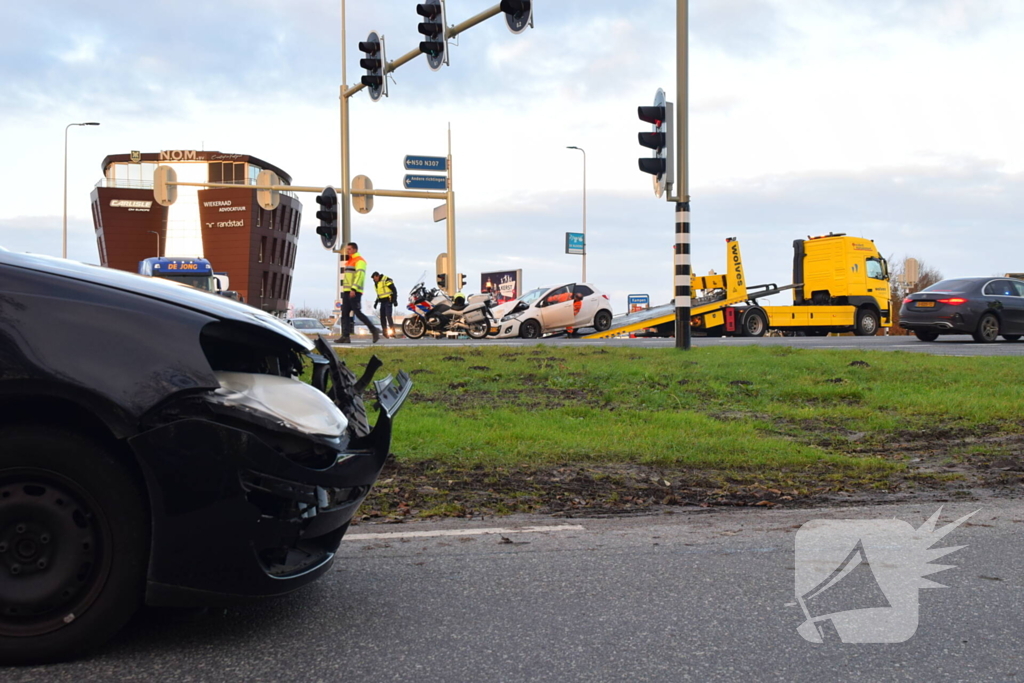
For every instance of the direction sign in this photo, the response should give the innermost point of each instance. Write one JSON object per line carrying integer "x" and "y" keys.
{"x": 426, "y": 182}
{"x": 574, "y": 243}
{"x": 418, "y": 163}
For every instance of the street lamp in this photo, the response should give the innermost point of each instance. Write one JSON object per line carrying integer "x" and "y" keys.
{"x": 584, "y": 209}
{"x": 64, "y": 241}
{"x": 154, "y": 232}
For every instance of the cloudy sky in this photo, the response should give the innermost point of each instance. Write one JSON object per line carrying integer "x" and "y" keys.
{"x": 898, "y": 120}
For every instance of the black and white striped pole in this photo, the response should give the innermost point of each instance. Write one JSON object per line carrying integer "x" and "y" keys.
{"x": 682, "y": 278}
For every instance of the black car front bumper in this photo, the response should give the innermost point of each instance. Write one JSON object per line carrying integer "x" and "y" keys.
{"x": 234, "y": 516}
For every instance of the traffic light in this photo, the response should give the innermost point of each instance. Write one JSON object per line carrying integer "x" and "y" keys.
{"x": 462, "y": 281}
{"x": 374, "y": 62}
{"x": 661, "y": 139}
{"x": 518, "y": 14}
{"x": 435, "y": 47}
{"x": 328, "y": 215}
{"x": 442, "y": 280}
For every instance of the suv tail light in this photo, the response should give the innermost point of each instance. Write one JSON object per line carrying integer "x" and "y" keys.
{"x": 954, "y": 301}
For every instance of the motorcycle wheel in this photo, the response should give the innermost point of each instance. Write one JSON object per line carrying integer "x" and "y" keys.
{"x": 478, "y": 330}
{"x": 414, "y": 327}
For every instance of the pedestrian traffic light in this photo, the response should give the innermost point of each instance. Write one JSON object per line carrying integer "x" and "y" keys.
{"x": 375, "y": 62}
{"x": 462, "y": 281}
{"x": 442, "y": 280}
{"x": 661, "y": 163}
{"x": 435, "y": 47}
{"x": 328, "y": 215}
{"x": 518, "y": 14}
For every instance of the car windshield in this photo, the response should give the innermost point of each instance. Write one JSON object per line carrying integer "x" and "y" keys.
{"x": 532, "y": 295}
{"x": 302, "y": 324}
{"x": 958, "y": 285}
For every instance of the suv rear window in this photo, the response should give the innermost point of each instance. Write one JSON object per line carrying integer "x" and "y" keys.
{"x": 959, "y": 285}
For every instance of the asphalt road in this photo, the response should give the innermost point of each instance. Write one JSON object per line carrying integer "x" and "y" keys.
{"x": 695, "y": 595}
{"x": 947, "y": 346}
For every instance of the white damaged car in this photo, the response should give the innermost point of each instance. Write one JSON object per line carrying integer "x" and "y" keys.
{"x": 549, "y": 310}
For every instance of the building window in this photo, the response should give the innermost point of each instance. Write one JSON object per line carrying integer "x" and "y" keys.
{"x": 263, "y": 247}
{"x": 263, "y": 285}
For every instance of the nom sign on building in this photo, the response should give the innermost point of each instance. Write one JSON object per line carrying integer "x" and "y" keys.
{"x": 256, "y": 248}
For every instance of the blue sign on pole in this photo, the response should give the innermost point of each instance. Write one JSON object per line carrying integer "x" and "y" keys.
{"x": 574, "y": 243}
{"x": 637, "y": 302}
{"x": 417, "y": 163}
{"x": 426, "y": 182}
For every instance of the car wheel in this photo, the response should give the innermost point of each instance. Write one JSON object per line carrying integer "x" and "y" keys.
{"x": 73, "y": 544}
{"x": 755, "y": 323}
{"x": 530, "y": 329}
{"x": 988, "y": 329}
{"x": 926, "y": 336}
{"x": 867, "y": 323}
{"x": 1011, "y": 337}
{"x": 603, "y": 320}
{"x": 413, "y": 327}
{"x": 478, "y": 330}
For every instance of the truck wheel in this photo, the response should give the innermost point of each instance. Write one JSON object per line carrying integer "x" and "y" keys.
{"x": 988, "y": 329}
{"x": 926, "y": 336}
{"x": 530, "y": 329}
{"x": 867, "y": 323}
{"x": 413, "y": 327}
{"x": 755, "y": 323}
{"x": 73, "y": 544}
{"x": 602, "y": 321}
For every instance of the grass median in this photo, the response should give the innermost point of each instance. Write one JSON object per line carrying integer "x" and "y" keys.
{"x": 605, "y": 429}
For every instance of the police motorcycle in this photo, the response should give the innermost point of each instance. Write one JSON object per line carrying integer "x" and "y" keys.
{"x": 432, "y": 310}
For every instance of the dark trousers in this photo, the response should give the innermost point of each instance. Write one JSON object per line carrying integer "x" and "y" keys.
{"x": 353, "y": 305}
{"x": 386, "y": 321}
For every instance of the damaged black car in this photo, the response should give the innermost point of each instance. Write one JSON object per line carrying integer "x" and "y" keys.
{"x": 157, "y": 447}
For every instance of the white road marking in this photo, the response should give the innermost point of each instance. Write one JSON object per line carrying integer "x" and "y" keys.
{"x": 463, "y": 532}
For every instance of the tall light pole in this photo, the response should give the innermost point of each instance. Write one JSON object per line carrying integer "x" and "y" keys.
{"x": 64, "y": 241}
{"x": 584, "y": 209}
{"x": 154, "y": 232}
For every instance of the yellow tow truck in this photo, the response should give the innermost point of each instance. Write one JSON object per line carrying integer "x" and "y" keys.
{"x": 841, "y": 284}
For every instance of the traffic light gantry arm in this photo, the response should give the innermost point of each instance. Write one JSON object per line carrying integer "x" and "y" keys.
{"x": 450, "y": 32}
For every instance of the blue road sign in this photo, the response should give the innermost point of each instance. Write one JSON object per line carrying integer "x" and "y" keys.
{"x": 638, "y": 301}
{"x": 417, "y": 163}
{"x": 574, "y": 243}
{"x": 426, "y": 182}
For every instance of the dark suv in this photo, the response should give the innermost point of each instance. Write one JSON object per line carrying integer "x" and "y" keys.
{"x": 157, "y": 446}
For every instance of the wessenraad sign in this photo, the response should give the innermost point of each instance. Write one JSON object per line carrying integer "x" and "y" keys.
{"x": 224, "y": 208}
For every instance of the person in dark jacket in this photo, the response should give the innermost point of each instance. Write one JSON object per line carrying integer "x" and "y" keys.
{"x": 387, "y": 299}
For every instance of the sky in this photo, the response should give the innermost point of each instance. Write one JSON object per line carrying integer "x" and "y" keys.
{"x": 896, "y": 120}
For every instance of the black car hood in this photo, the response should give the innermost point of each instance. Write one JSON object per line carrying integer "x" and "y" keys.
{"x": 155, "y": 288}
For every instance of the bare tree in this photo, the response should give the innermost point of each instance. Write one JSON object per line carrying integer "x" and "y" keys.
{"x": 900, "y": 285}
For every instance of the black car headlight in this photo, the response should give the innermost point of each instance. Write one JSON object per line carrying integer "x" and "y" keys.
{"x": 288, "y": 402}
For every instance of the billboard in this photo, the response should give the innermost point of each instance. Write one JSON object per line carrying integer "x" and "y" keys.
{"x": 574, "y": 243}
{"x": 506, "y": 285}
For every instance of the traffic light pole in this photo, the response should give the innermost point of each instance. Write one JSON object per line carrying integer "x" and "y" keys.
{"x": 682, "y": 188}
{"x": 453, "y": 286}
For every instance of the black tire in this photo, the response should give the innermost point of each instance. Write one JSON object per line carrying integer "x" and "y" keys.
{"x": 755, "y": 323}
{"x": 988, "y": 329}
{"x": 867, "y": 323}
{"x": 413, "y": 327}
{"x": 530, "y": 329}
{"x": 74, "y": 533}
{"x": 478, "y": 330}
{"x": 926, "y": 336}
{"x": 603, "y": 320}
{"x": 1011, "y": 337}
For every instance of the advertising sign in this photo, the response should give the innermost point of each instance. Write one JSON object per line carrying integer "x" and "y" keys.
{"x": 507, "y": 285}
{"x": 637, "y": 302}
{"x": 574, "y": 243}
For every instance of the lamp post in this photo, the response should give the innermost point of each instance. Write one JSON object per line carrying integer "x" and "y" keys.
{"x": 154, "y": 232}
{"x": 64, "y": 240}
{"x": 584, "y": 209}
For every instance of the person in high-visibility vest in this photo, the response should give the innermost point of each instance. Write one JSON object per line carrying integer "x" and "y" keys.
{"x": 387, "y": 299}
{"x": 352, "y": 282}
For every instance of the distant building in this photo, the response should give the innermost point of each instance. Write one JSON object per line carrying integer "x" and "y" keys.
{"x": 225, "y": 225}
